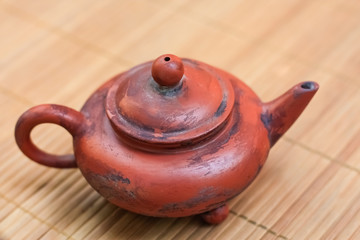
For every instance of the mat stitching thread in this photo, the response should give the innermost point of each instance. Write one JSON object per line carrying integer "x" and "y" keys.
{"x": 305, "y": 147}
{"x": 18, "y": 206}
{"x": 268, "y": 230}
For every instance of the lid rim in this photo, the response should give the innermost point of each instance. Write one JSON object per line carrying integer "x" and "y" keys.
{"x": 178, "y": 136}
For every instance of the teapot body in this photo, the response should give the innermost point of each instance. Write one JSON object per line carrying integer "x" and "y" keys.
{"x": 173, "y": 182}
{"x": 180, "y": 141}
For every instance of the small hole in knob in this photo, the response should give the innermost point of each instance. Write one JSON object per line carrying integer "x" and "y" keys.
{"x": 167, "y": 70}
{"x": 307, "y": 85}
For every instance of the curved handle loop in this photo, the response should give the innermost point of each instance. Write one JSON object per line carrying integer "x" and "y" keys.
{"x": 70, "y": 119}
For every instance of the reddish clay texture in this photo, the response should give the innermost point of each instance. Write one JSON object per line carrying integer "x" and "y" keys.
{"x": 167, "y": 70}
{"x": 170, "y": 138}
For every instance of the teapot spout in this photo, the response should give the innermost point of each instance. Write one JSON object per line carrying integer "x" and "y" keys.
{"x": 279, "y": 114}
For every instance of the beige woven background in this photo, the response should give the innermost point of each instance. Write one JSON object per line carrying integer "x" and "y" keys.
{"x": 61, "y": 51}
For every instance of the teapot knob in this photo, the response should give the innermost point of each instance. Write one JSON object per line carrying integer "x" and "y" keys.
{"x": 167, "y": 70}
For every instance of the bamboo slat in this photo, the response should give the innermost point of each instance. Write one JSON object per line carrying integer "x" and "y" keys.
{"x": 61, "y": 51}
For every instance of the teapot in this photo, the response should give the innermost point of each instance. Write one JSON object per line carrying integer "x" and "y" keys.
{"x": 172, "y": 137}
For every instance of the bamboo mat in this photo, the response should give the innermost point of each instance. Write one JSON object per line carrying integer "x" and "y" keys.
{"x": 61, "y": 51}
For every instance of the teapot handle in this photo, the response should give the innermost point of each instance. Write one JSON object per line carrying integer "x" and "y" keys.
{"x": 70, "y": 119}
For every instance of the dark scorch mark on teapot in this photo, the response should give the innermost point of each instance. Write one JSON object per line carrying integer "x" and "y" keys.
{"x": 168, "y": 91}
{"x": 267, "y": 119}
{"x": 204, "y": 195}
{"x": 107, "y": 185}
{"x": 221, "y": 107}
{"x": 113, "y": 177}
{"x": 219, "y": 143}
{"x": 207, "y": 195}
{"x": 117, "y": 178}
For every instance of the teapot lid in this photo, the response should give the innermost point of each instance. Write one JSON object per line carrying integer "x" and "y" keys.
{"x": 169, "y": 102}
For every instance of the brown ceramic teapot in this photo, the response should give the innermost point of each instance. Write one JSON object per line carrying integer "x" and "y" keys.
{"x": 169, "y": 138}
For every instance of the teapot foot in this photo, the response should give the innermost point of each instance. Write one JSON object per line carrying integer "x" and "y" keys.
{"x": 217, "y": 215}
